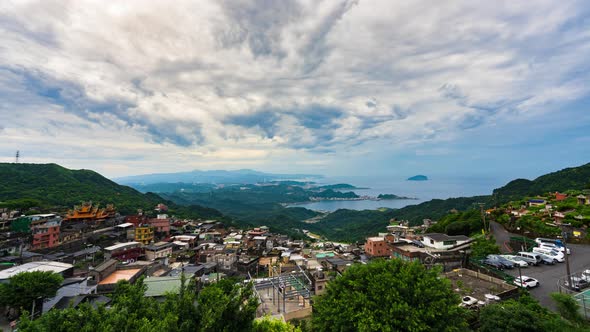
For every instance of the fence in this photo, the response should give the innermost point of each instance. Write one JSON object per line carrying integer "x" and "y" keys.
{"x": 579, "y": 280}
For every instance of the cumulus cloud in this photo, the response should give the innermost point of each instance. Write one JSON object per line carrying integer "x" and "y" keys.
{"x": 257, "y": 79}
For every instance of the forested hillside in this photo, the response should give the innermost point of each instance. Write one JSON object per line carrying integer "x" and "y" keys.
{"x": 53, "y": 186}
{"x": 575, "y": 178}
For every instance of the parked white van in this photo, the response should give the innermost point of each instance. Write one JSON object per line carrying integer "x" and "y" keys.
{"x": 556, "y": 255}
{"x": 541, "y": 240}
{"x": 532, "y": 257}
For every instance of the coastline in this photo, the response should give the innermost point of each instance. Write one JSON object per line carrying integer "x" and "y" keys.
{"x": 362, "y": 198}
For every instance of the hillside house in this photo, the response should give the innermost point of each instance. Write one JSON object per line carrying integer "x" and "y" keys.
{"x": 45, "y": 232}
{"x": 443, "y": 241}
{"x": 536, "y": 202}
{"x": 158, "y": 250}
{"x": 377, "y": 247}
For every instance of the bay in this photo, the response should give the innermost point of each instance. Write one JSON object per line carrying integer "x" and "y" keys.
{"x": 435, "y": 187}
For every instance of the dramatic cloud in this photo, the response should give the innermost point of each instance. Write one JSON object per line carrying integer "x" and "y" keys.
{"x": 309, "y": 83}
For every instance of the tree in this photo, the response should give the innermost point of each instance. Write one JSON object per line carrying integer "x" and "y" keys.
{"x": 391, "y": 295}
{"x": 268, "y": 324}
{"x": 567, "y": 307}
{"x": 224, "y": 306}
{"x": 227, "y": 306}
{"x": 26, "y": 287}
{"x": 482, "y": 247}
{"x": 524, "y": 314}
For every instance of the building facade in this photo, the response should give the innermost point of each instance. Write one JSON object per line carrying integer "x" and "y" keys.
{"x": 158, "y": 250}
{"x": 144, "y": 234}
{"x": 45, "y": 233}
{"x": 377, "y": 247}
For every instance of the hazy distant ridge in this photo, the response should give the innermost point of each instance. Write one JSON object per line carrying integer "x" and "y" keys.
{"x": 214, "y": 176}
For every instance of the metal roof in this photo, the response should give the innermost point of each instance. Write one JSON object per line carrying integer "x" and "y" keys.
{"x": 52, "y": 266}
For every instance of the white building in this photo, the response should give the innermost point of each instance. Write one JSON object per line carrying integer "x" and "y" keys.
{"x": 64, "y": 269}
{"x": 443, "y": 241}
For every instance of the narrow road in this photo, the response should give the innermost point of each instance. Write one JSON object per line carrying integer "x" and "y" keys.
{"x": 502, "y": 236}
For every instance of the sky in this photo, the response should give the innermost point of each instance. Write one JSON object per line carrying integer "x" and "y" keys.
{"x": 482, "y": 88}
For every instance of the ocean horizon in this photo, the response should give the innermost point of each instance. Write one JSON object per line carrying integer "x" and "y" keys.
{"x": 434, "y": 188}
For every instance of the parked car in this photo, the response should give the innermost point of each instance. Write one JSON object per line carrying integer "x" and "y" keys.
{"x": 542, "y": 240}
{"x": 578, "y": 283}
{"x": 530, "y": 257}
{"x": 557, "y": 256}
{"x": 554, "y": 247}
{"x": 547, "y": 260}
{"x": 516, "y": 260}
{"x": 586, "y": 275}
{"x": 505, "y": 263}
{"x": 526, "y": 282}
{"x": 551, "y": 243}
{"x": 493, "y": 263}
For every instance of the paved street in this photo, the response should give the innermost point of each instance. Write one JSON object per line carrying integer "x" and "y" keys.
{"x": 548, "y": 275}
{"x": 502, "y": 236}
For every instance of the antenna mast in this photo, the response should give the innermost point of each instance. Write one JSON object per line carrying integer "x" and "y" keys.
{"x": 17, "y": 156}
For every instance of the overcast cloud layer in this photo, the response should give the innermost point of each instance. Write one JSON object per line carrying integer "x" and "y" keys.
{"x": 324, "y": 86}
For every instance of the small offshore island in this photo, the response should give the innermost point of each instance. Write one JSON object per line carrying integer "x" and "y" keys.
{"x": 418, "y": 178}
{"x": 392, "y": 196}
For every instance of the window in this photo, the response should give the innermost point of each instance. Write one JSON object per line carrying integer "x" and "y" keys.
{"x": 449, "y": 242}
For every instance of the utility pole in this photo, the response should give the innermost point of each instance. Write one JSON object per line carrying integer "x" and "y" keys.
{"x": 567, "y": 261}
{"x": 483, "y": 216}
{"x": 520, "y": 275}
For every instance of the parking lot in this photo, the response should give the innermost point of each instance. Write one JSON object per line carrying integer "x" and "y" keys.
{"x": 548, "y": 275}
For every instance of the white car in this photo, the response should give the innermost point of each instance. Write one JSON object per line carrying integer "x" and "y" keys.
{"x": 552, "y": 246}
{"x": 527, "y": 282}
{"x": 516, "y": 260}
{"x": 556, "y": 255}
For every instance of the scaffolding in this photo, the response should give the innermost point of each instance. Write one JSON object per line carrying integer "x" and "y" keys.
{"x": 283, "y": 292}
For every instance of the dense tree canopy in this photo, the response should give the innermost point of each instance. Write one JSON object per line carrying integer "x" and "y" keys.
{"x": 223, "y": 306}
{"x": 391, "y": 295}
{"x": 483, "y": 246}
{"x": 26, "y": 287}
{"x": 524, "y": 314}
{"x": 460, "y": 223}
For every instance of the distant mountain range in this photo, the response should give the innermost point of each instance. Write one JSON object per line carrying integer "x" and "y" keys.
{"x": 243, "y": 176}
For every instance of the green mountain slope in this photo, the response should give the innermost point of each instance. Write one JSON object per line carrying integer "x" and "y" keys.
{"x": 438, "y": 208}
{"x": 51, "y": 185}
{"x": 565, "y": 179}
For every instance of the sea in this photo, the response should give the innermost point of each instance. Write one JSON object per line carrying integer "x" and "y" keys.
{"x": 435, "y": 187}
